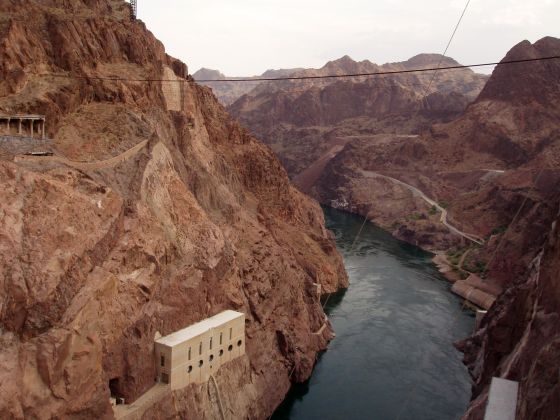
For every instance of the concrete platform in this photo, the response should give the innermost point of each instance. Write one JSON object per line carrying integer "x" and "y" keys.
{"x": 136, "y": 410}
{"x": 502, "y": 400}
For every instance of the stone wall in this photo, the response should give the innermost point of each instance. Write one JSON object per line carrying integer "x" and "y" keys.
{"x": 173, "y": 91}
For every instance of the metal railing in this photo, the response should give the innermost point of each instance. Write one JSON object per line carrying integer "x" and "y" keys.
{"x": 133, "y": 8}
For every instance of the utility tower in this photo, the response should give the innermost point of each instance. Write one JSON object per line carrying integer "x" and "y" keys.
{"x": 133, "y": 8}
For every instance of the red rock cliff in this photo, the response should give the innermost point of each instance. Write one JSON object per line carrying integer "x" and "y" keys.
{"x": 519, "y": 339}
{"x": 158, "y": 211}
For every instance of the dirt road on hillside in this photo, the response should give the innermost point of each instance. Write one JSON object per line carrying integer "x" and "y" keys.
{"x": 416, "y": 192}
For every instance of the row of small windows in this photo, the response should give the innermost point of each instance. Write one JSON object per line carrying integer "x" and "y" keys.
{"x": 162, "y": 358}
{"x": 211, "y": 358}
{"x": 211, "y": 340}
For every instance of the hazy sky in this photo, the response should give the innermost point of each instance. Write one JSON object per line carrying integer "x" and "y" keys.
{"x": 247, "y": 37}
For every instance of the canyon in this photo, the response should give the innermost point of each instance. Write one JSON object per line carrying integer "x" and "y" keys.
{"x": 150, "y": 208}
{"x": 391, "y": 154}
{"x": 156, "y": 210}
{"x": 473, "y": 176}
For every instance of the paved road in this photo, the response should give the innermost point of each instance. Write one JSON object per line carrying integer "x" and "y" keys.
{"x": 86, "y": 166}
{"x": 415, "y": 191}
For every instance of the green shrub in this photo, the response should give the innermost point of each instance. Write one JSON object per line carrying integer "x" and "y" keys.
{"x": 414, "y": 216}
{"x": 499, "y": 230}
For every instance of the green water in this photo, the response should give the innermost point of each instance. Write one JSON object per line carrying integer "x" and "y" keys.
{"x": 393, "y": 356}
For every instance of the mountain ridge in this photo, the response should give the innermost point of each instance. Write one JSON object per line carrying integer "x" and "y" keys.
{"x": 156, "y": 211}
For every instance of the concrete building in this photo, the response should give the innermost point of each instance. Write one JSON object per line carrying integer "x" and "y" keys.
{"x": 191, "y": 355}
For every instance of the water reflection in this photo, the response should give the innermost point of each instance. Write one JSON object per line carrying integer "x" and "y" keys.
{"x": 393, "y": 355}
{"x": 332, "y": 301}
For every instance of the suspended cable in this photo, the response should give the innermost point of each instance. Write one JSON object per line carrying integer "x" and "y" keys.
{"x": 332, "y": 76}
{"x": 447, "y": 47}
{"x": 380, "y": 73}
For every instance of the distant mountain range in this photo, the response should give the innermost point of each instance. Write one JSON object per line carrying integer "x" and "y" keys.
{"x": 302, "y": 120}
{"x": 485, "y": 150}
{"x": 227, "y": 93}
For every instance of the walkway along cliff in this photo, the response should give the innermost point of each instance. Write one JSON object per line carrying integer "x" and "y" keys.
{"x": 156, "y": 211}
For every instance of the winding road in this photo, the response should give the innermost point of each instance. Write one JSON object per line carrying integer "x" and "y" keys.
{"x": 416, "y": 192}
{"x": 86, "y": 166}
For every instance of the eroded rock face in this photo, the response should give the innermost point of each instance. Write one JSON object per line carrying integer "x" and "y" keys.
{"x": 227, "y": 92}
{"x": 497, "y": 169}
{"x": 519, "y": 339}
{"x": 500, "y": 157}
{"x": 303, "y": 120}
{"x": 96, "y": 260}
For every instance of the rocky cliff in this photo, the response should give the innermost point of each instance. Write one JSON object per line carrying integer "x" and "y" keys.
{"x": 500, "y": 155}
{"x": 496, "y": 171}
{"x": 304, "y": 120}
{"x": 228, "y": 92}
{"x": 519, "y": 339}
{"x": 156, "y": 211}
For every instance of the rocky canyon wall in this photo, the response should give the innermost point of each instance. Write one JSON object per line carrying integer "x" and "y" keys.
{"x": 519, "y": 339}
{"x": 156, "y": 211}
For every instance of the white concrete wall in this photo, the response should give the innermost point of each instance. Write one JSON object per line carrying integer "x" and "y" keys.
{"x": 184, "y": 371}
{"x": 173, "y": 90}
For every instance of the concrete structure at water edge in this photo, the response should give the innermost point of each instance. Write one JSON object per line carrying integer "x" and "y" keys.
{"x": 502, "y": 400}
{"x": 195, "y": 353}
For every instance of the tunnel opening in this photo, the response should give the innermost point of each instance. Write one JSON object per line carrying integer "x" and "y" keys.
{"x": 117, "y": 397}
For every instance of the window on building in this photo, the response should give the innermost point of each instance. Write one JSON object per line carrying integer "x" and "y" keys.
{"x": 221, "y": 353}
{"x": 230, "y": 348}
{"x": 189, "y": 353}
{"x": 230, "y": 332}
{"x": 221, "y": 335}
{"x": 210, "y": 343}
{"x": 189, "y": 370}
{"x": 200, "y": 348}
{"x": 200, "y": 363}
{"x": 239, "y": 343}
{"x": 162, "y": 360}
{"x": 211, "y": 357}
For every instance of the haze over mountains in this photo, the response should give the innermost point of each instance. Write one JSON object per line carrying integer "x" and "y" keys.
{"x": 304, "y": 120}
{"x": 487, "y": 150}
{"x": 228, "y": 93}
{"x": 157, "y": 211}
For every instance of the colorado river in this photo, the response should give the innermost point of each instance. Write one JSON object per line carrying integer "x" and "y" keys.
{"x": 393, "y": 357}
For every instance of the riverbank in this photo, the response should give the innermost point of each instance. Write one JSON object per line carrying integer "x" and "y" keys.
{"x": 397, "y": 300}
{"x": 445, "y": 267}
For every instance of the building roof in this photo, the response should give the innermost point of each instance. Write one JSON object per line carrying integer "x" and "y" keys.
{"x": 199, "y": 328}
{"x": 22, "y": 116}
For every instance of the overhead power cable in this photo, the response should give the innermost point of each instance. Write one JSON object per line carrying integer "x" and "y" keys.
{"x": 426, "y": 91}
{"x": 447, "y": 47}
{"x": 332, "y": 76}
{"x": 381, "y": 73}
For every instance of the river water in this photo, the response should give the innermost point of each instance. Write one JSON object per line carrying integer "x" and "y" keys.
{"x": 393, "y": 356}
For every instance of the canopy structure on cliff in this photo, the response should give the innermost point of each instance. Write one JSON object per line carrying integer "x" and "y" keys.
{"x": 10, "y": 127}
